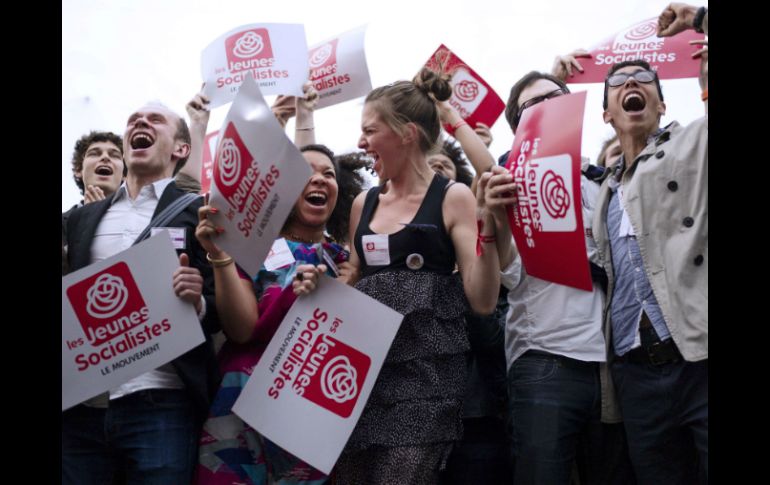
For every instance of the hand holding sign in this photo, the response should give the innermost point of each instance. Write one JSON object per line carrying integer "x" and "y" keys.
{"x": 676, "y": 18}
{"x": 206, "y": 231}
{"x": 499, "y": 192}
{"x": 306, "y": 279}
{"x": 562, "y": 65}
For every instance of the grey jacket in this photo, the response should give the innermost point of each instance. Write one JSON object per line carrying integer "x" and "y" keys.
{"x": 665, "y": 193}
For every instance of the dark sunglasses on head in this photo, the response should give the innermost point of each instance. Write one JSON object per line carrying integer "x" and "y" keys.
{"x": 538, "y": 99}
{"x": 620, "y": 78}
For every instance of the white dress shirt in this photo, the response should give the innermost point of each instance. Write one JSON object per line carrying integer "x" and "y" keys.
{"x": 116, "y": 232}
{"x": 551, "y": 317}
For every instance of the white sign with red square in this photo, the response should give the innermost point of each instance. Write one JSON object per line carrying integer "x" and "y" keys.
{"x": 258, "y": 176}
{"x": 312, "y": 383}
{"x": 274, "y": 54}
{"x": 338, "y": 68}
{"x": 121, "y": 318}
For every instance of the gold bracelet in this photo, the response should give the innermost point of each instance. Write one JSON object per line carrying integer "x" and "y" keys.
{"x": 218, "y": 263}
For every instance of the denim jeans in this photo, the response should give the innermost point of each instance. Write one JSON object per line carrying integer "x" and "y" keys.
{"x": 148, "y": 437}
{"x": 665, "y": 412}
{"x": 553, "y": 401}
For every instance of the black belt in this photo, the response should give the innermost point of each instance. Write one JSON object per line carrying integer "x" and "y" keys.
{"x": 657, "y": 353}
{"x": 563, "y": 361}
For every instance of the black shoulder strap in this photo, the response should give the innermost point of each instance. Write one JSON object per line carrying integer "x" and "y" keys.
{"x": 369, "y": 202}
{"x": 167, "y": 215}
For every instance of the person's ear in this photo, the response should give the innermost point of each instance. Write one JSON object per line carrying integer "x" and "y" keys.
{"x": 181, "y": 150}
{"x": 411, "y": 133}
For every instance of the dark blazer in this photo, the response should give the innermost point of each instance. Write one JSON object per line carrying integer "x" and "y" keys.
{"x": 197, "y": 368}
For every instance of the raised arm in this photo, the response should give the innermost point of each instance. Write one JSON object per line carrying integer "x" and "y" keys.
{"x": 480, "y": 274}
{"x": 198, "y": 111}
{"x": 473, "y": 146}
{"x": 304, "y": 128}
{"x": 495, "y": 191}
{"x": 678, "y": 17}
{"x": 235, "y": 297}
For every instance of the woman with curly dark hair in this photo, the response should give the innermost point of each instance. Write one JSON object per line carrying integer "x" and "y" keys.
{"x": 251, "y": 311}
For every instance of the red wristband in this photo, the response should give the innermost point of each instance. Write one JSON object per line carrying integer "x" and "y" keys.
{"x": 460, "y": 123}
{"x": 481, "y": 238}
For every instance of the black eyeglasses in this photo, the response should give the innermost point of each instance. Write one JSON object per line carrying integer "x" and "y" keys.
{"x": 538, "y": 99}
{"x": 620, "y": 78}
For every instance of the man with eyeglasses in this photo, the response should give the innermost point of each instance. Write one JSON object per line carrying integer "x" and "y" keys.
{"x": 651, "y": 230}
{"x": 553, "y": 336}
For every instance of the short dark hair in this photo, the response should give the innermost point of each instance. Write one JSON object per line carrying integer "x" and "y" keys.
{"x": 81, "y": 147}
{"x": 454, "y": 153}
{"x": 512, "y": 107}
{"x": 183, "y": 134}
{"x": 621, "y": 65}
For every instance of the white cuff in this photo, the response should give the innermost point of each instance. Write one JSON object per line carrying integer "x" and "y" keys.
{"x": 202, "y": 313}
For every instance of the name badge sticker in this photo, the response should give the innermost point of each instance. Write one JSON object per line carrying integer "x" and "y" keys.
{"x": 376, "y": 249}
{"x": 279, "y": 256}
{"x": 177, "y": 235}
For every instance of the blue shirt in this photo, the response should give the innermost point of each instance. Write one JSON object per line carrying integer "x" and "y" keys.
{"x": 632, "y": 293}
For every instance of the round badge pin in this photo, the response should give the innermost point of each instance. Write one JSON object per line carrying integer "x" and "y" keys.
{"x": 414, "y": 261}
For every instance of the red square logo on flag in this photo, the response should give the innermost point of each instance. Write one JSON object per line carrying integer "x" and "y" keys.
{"x": 108, "y": 304}
{"x": 554, "y": 175}
{"x": 323, "y": 59}
{"x": 248, "y": 50}
{"x": 231, "y": 168}
{"x": 333, "y": 375}
{"x": 467, "y": 91}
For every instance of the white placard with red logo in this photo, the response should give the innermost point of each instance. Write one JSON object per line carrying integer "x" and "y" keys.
{"x": 312, "y": 383}
{"x": 258, "y": 176}
{"x": 338, "y": 68}
{"x": 274, "y": 54}
{"x": 207, "y": 167}
{"x": 669, "y": 56}
{"x": 472, "y": 97}
{"x": 547, "y": 223}
{"x": 121, "y": 318}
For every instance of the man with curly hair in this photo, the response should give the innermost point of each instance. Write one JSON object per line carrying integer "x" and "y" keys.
{"x": 98, "y": 170}
{"x": 97, "y": 164}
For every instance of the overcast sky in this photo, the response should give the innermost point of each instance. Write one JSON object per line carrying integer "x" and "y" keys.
{"x": 117, "y": 55}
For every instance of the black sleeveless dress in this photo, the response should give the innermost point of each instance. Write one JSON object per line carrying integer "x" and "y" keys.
{"x": 413, "y": 414}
